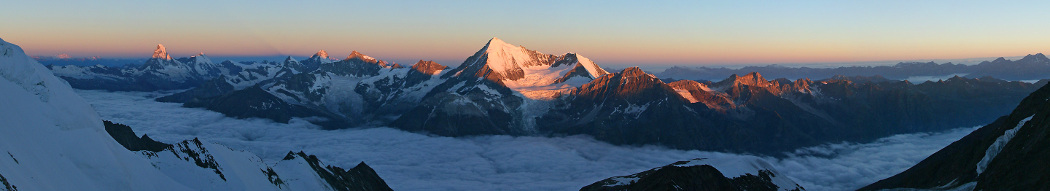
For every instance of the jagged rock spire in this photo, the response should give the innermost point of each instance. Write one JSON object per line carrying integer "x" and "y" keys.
{"x": 161, "y": 53}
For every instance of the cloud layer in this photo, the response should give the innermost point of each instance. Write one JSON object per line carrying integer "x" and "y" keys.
{"x": 410, "y": 161}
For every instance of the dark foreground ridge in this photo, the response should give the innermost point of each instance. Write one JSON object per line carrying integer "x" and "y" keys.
{"x": 1008, "y": 154}
{"x": 682, "y": 175}
{"x": 360, "y": 178}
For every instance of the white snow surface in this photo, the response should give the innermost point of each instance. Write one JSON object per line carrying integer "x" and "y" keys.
{"x": 998, "y": 145}
{"x": 504, "y": 57}
{"x": 592, "y": 68}
{"x": 685, "y": 94}
{"x": 54, "y": 140}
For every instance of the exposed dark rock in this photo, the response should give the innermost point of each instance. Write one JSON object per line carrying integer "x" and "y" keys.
{"x": 126, "y": 137}
{"x": 428, "y": 67}
{"x": 273, "y": 177}
{"x": 750, "y": 114}
{"x": 194, "y": 150}
{"x": 698, "y": 177}
{"x": 7, "y": 185}
{"x": 361, "y": 177}
{"x": 1020, "y": 163}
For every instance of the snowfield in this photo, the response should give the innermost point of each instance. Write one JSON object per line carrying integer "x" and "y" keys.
{"x": 410, "y": 161}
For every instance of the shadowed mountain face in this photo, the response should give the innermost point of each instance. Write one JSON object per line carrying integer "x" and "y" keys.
{"x": 1008, "y": 154}
{"x": 750, "y": 114}
{"x": 505, "y": 89}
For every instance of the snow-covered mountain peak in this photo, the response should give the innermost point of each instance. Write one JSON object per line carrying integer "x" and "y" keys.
{"x": 8, "y": 49}
{"x": 505, "y": 58}
{"x": 528, "y": 71}
{"x": 498, "y": 43}
{"x": 593, "y": 69}
{"x": 201, "y": 59}
{"x": 323, "y": 55}
{"x": 17, "y": 67}
{"x": 1038, "y": 57}
{"x": 354, "y": 54}
{"x": 161, "y": 53}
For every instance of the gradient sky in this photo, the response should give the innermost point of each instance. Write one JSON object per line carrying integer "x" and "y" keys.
{"x": 609, "y": 32}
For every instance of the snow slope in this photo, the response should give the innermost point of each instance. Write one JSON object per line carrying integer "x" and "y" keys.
{"x": 54, "y": 140}
{"x": 535, "y": 74}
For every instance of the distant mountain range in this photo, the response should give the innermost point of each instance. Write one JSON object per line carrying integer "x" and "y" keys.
{"x": 64, "y": 60}
{"x": 1031, "y": 67}
{"x": 53, "y": 140}
{"x": 509, "y": 90}
{"x": 505, "y": 89}
{"x": 1008, "y": 154}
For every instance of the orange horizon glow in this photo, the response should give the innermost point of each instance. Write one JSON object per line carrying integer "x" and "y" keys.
{"x": 828, "y": 53}
{"x": 680, "y": 33}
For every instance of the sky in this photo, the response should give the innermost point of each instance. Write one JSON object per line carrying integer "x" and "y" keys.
{"x": 608, "y": 32}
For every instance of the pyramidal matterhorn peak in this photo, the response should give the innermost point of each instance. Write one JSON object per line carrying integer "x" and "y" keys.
{"x": 162, "y": 53}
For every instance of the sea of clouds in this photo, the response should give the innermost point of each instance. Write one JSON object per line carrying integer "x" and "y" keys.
{"x": 411, "y": 161}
